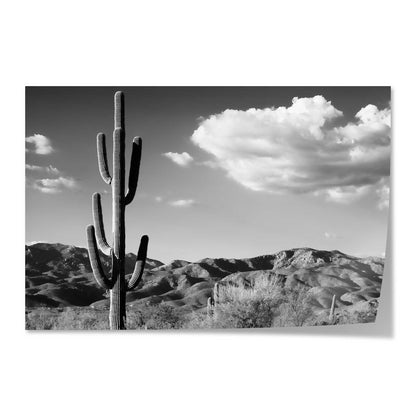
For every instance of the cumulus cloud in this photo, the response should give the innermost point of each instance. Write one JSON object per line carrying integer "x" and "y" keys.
{"x": 43, "y": 169}
{"x": 300, "y": 148}
{"x": 182, "y": 203}
{"x": 181, "y": 159}
{"x": 54, "y": 186}
{"x": 39, "y": 144}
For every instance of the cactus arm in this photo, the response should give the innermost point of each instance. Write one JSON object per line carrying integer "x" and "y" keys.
{"x": 136, "y": 155}
{"x": 136, "y": 277}
{"x": 115, "y": 269}
{"x": 97, "y": 214}
{"x": 102, "y": 158}
{"x": 95, "y": 261}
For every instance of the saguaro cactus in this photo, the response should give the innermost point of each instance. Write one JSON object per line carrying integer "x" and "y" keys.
{"x": 96, "y": 239}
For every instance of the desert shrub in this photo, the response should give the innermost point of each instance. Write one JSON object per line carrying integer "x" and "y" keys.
{"x": 40, "y": 319}
{"x": 160, "y": 316}
{"x": 82, "y": 319}
{"x": 295, "y": 309}
{"x": 367, "y": 315}
{"x": 243, "y": 306}
{"x": 198, "y": 320}
{"x": 249, "y": 313}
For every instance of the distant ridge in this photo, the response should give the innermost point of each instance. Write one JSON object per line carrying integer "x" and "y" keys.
{"x": 60, "y": 275}
{"x": 64, "y": 258}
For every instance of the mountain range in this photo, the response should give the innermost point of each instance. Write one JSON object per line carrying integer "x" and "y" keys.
{"x": 59, "y": 275}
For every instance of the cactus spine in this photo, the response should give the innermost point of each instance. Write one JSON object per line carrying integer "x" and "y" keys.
{"x": 332, "y": 310}
{"x": 96, "y": 238}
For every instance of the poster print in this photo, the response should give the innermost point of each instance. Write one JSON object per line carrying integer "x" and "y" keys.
{"x": 205, "y": 207}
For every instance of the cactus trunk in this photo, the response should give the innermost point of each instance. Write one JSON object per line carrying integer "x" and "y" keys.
{"x": 118, "y": 304}
{"x": 117, "y": 284}
{"x": 118, "y": 292}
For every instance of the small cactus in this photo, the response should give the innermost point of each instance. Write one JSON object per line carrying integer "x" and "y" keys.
{"x": 96, "y": 239}
{"x": 216, "y": 294}
{"x": 214, "y": 301}
{"x": 332, "y": 310}
{"x": 210, "y": 307}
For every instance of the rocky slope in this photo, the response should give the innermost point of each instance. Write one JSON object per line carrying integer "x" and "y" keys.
{"x": 60, "y": 275}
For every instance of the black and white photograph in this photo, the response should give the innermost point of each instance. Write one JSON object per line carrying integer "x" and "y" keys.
{"x": 205, "y": 207}
{"x": 216, "y": 201}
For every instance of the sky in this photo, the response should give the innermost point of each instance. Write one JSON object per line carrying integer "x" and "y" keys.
{"x": 225, "y": 172}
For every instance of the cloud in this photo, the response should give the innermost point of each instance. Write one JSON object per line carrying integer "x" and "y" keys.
{"x": 54, "y": 186}
{"x": 48, "y": 169}
{"x": 383, "y": 192}
{"x": 48, "y": 185}
{"x": 300, "y": 148}
{"x": 182, "y": 203}
{"x": 41, "y": 144}
{"x": 158, "y": 198}
{"x": 181, "y": 159}
{"x": 345, "y": 194}
{"x": 31, "y": 243}
{"x": 330, "y": 236}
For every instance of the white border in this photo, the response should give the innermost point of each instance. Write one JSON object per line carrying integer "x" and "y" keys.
{"x": 208, "y": 43}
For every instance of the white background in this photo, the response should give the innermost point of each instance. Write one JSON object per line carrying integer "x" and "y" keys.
{"x": 359, "y": 370}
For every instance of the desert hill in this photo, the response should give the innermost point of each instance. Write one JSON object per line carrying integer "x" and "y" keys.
{"x": 60, "y": 275}
{"x": 68, "y": 260}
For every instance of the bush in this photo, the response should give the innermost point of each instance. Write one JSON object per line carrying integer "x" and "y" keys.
{"x": 264, "y": 304}
{"x": 366, "y": 315}
{"x": 252, "y": 306}
{"x": 250, "y": 313}
{"x": 160, "y": 316}
{"x": 295, "y": 309}
{"x": 198, "y": 320}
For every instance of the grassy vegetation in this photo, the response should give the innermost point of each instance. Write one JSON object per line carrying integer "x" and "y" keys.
{"x": 160, "y": 316}
{"x": 66, "y": 318}
{"x": 263, "y": 305}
